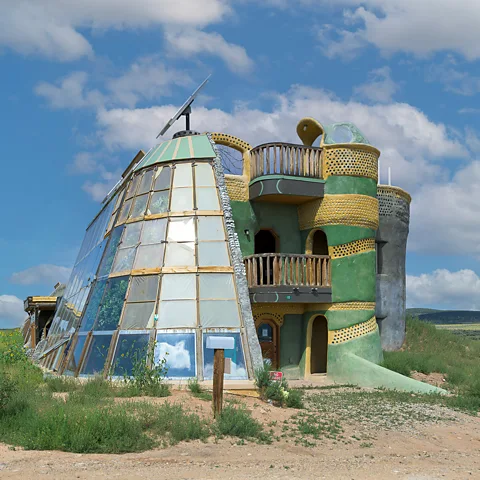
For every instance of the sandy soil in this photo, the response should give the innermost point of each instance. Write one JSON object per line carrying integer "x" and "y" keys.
{"x": 445, "y": 450}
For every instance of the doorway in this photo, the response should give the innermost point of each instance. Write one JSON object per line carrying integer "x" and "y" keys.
{"x": 268, "y": 337}
{"x": 265, "y": 242}
{"x": 320, "y": 245}
{"x": 318, "y": 345}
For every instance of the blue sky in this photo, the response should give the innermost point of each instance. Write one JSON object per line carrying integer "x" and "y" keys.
{"x": 86, "y": 85}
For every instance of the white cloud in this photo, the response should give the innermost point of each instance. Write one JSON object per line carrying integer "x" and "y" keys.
{"x": 418, "y": 27}
{"x": 379, "y": 88}
{"x": 70, "y": 92}
{"x": 444, "y": 289}
{"x": 44, "y": 274}
{"x": 146, "y": 79}
{"x": 192, "y": 42}
{"x": 469, "y": 110}
{"x": 84, "y": 163}
{"x": 99, "y": 189}
{"x": 12, "y": 314}
{"x": 52, "y": 28}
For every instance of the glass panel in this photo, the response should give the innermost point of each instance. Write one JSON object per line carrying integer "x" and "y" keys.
{"x": 110, "y": 252}
{"x": 133, "y": 186}
{"x": 75, "y": 358}
{"x": 112, "y": 304}
{"x": 154, "y": 231}
{"x": 182, "y": 200}
{"x": 181, "y": 230}
{"x": 219, "y": 313}
{"x": 158, "y": 202}
{"x": 216, "y": 285}
{"x": 213, "y": 254}
{"x": 179, "y": 313}
{"x": 207, "y": 199}
{"x": 149, "y": 256}
{"x": 124, "y": 260}
{"x": 146, "y": 182}
{"x": 138, "y": 316}
{"x": 131, "y": 236}
{"x": 93, "y": 304}
{"x": 124, "y": 212}
{"x": 236, "y": 355}
{"x": 162, "y": 178}
{"x": 183, "y": 175}
{"x": 204, "y": 175}
{"x": 179, "y": 351}
{"x": 211, "y": 228}
{"x": 143, "y": 289}
{"x": 180, "y": 254}
{"x": 139, "y": 206}
{"x": 131, "y": 348}
{"x": 178, "y": 286}
{"x": 118, "y": 200}
{"x": 265, "y": 333}
{"x": 97, "y": 354}
{"x": 110, "y": 223}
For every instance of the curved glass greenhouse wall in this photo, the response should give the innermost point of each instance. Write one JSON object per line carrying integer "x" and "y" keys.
{"x": 155, "y": 269}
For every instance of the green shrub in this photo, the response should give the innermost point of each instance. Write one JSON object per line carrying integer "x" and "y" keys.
{"x": 238, "y": 422}
{"x": 8, "y": 388}
{"x": 194, "y": 386}
{"x": 295, "y": 399}
{"x": 61, "y": 384}
{"x": 262, "y": 377}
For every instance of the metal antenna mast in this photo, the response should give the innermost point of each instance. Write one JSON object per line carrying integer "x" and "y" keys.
{"x": 185, "y": 109}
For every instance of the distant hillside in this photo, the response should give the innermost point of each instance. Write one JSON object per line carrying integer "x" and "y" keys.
{"x": 419, "y": 311}
{"x": 449, "y": 317}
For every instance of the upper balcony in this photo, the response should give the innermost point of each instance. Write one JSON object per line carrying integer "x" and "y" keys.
{"x": 289, "y": 278}
{"x": 285, "y": 172}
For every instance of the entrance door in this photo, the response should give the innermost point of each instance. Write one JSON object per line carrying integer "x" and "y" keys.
{"x": 267, "y": 331}
{"x": 318, "y": 345}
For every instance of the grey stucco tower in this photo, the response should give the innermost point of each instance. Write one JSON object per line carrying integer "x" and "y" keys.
{"x": 392, "y": 233}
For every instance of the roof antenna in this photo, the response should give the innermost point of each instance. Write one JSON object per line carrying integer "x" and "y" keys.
{"x": 185, "y": 109}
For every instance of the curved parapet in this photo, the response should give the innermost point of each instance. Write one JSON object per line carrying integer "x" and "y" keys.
{"x": 394, "y": 208}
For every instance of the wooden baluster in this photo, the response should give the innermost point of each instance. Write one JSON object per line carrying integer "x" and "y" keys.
{"x": 254, "y": 271}
{"x": 281, "y": 158}
{"x": 324, "y": 273}
{"x": 267, "y": 158}
{"x": 275, "y": 159}
{"x": 319, "y": 273}
{"x": 261, "y": 271}
{"x": 268, "y": 270}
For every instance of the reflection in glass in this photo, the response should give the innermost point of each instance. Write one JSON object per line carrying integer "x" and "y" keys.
{"x": 149, "y": 256}
{"x": 124, "y": 212}
{"x": 131, "y": 349}
{"x": 110, "y": 252}
{"x": 213, "y": 254}
{"x": 92, "y": 307}
{"x": 238, "y": 370}
{"x": 138, "y": 316}
{"x": 158, "y": 202}
{"x": 143, "y": 289}
{"x": 112, "y": 304}
{"x": 139, "y": 206}
{"x": 133, "y": 186}
{"x": 97, "y": 354}
{"x": 154, "y": 231}
{"x": 75, "y": 357}
{"x": 182, "y": 200}
{"x": 124, "y": 260}
{"x": 146, "y": 182}
{"x": 162, "y": 181}
{"x": 132, "y": 234}
{"x": 179, "y": 351}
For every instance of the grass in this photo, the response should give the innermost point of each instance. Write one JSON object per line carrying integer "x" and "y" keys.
{"x": 197, "y": 391}
{"x": 428, "y": 349}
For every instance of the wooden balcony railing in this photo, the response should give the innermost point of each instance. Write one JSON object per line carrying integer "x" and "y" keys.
{"x": 286, "y": 159}
{"x": 279, "y": 269}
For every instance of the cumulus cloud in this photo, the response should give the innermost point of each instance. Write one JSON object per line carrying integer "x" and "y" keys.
{"x": 194, "y": 42}
{"x": 379, "y": 88}
{"x": 412, "y": 26}
{"x": 70, "y": 92}
{"x": 12, "y": 314}
{"x": 444, "y": 289}
{"x": 44, "y": 274}
{"x": 56, "y": 28}
{"x": 99, "y": 189}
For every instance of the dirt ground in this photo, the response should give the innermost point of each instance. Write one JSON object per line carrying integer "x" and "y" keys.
{"x": 448, "y": 449}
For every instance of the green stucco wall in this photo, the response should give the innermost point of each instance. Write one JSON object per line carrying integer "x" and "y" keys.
{"x": 291, "y": 348}
{"x": 344, "y": 184}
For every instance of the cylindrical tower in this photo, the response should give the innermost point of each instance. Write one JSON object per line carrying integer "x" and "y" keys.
{"x": 394, "y": 208}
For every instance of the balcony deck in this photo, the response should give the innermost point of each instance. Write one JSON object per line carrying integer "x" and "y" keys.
{"x": 288, "y": 278}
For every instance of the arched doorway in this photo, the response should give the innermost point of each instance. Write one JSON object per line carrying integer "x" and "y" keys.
{"x": 265, "y": 242}
{"x": 318, "y": 345}
{"x": 268, "y": 337}
{"x": 319, "y": 244}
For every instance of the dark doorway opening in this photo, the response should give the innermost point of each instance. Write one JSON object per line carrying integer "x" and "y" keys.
{"x": 320, "y": 245}
{"x": 265, "y": 242}
{"x": 318, "y": 345}
{"x": 268, "y": 337}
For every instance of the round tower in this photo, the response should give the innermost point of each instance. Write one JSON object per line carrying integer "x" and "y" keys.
{"x": 394, "y": 209}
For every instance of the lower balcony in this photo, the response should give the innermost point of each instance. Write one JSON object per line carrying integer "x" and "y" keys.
{"x": 288, "y": 278}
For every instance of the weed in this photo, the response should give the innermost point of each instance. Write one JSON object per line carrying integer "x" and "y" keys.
{"x": 61, "y": 384}
{"x": 295, "y": 399}
{"x": 8, "y": 388}
{"x": 262, "y": 377}
{"x": 197, "y": 391}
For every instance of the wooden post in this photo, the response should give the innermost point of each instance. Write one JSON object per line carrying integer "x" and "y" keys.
{"x": 218, "y": 370}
